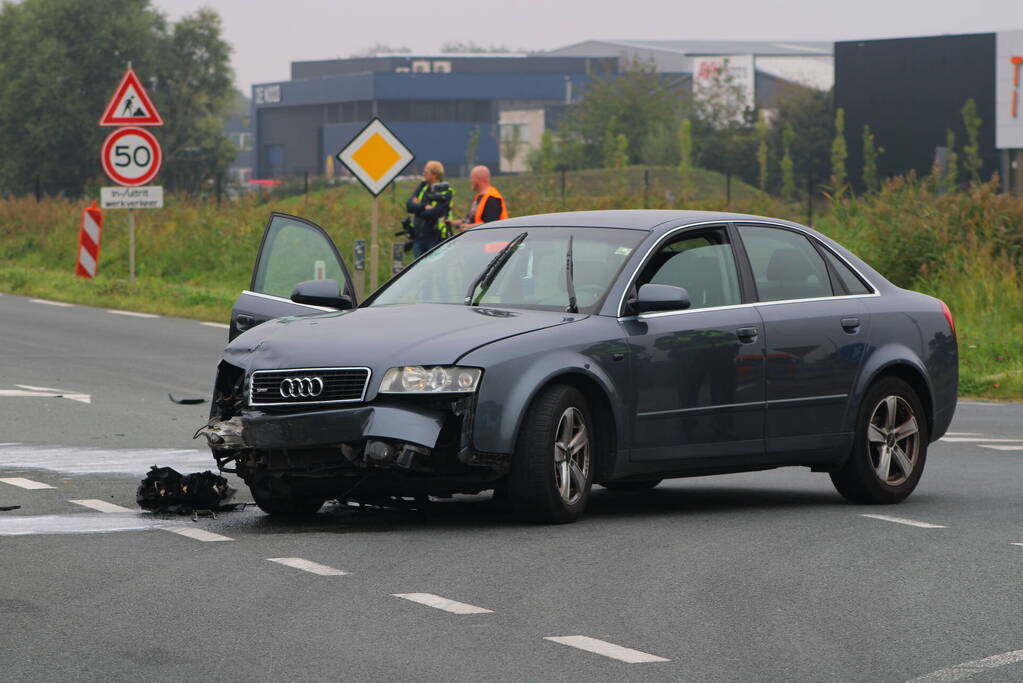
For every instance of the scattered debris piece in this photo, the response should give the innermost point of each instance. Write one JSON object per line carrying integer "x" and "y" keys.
{"x": 167, "y": 490}
{"x": 186, "y": 401}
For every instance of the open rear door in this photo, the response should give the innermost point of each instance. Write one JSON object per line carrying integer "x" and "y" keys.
{"x": 293, "y": 250}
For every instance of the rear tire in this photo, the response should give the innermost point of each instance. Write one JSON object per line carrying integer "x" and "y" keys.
{"x": 276, "y": 497}
{"x": 555, "y": 456}
{"x": 644, "y": 485}
{"x": 890, "y": 447}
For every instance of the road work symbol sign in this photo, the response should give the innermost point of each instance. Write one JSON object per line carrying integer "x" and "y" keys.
{"x": 376, "y": 156}
{"x": 131, "y": 156}
{"x": 130, "y": 105}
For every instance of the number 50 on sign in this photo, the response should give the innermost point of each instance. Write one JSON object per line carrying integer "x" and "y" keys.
{"x": 131, "y": 156}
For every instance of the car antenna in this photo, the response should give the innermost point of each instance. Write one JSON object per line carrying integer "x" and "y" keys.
{"x": 490, "y": 272}
{"x": 569, "y": 279}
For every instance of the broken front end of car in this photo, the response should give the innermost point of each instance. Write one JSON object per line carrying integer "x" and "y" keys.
{"x": 300, "y": 436}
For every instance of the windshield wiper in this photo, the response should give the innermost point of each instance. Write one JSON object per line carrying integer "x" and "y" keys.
{"x": 490, "y": 272}
{"x": 570, "y": 279}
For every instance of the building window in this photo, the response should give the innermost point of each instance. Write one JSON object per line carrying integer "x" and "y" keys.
{"x": 442, "y": 67}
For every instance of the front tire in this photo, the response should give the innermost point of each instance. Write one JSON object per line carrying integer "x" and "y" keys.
{"x": 555, "y": 455}
{"x": 890, "y": 447}
{"x": 276, "y": 497}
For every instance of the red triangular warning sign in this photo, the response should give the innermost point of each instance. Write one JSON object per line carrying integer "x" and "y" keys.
{"x": 130, "y": 105}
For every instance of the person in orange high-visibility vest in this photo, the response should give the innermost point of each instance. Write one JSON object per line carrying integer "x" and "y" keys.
{"x": 487, "y": 204}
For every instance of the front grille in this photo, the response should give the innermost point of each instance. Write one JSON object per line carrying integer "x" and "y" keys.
{"x": 340, "y": 385}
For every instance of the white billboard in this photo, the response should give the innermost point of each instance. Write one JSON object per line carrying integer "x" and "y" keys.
{"x": 726, "y": 81}
{"x": 1009, "y": 90}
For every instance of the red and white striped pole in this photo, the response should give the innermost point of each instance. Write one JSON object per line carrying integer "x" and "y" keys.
{"x": 88, "y": 242}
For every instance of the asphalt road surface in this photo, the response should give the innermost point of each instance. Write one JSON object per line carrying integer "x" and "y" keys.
{"x": 752, "y": 577}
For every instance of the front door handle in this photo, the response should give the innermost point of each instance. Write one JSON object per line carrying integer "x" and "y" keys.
{"x": 244, "y": 322}
{"x": 747, "y": 335}
{"x": 851, "y": 325}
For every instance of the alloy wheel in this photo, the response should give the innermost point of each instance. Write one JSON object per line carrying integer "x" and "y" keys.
{"x": 571, "y": 455}
{"x": 893, "y": 440}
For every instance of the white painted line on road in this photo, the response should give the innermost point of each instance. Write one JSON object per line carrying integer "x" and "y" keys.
{"x": 970, "y": 669}
{"x": 602, "y": 647}
{"x": 963, "y": 439}
{"x": 993, "y": 404}
{"x": 908, "y": 522}
{"x": 50, "y": 392}
{"x": 963, "y": 434}
{"x": 998, "y": 447}
{"x": 220, "y": 325}
{"x": 101, "y": 505}
{"x": 197, "y": 534}
{"x": 132, "y": 313}
{"x": 307, "y": 566}
{"x": 51, "y": 303}
{"x": 431, "y": 600}
{"x": 23, "y": 483}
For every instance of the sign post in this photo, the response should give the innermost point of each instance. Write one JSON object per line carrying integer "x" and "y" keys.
{"x": 131, "y": 156}
{"x": 376, "y": 157}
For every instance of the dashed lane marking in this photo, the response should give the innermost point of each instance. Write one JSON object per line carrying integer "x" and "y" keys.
{"x": 907, "y": 522}
{"x": 219, "y": 325}
{"x": 971, "y": 669}
{"x": 984, "y": 439}
{"x": 307, "y": 566}
{"x": 23, "y": 483}
{"x": 50, "y": 392}
{"x": 602, "y": 647}
{"x": 51, "y": 303}
{"x": 197, "y": 534}
{"x": 132, "y": 313}
{"x": 963, "y": 434}
{"x": 100, "y": 505}
{"x": 1000, "y": 447}
{"x": 431, "y": 600}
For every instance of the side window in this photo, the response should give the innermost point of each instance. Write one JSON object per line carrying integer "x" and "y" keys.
{"x": 702, "y": 264}
{"x": 785, "y": 264}
{"x": 293, "y": 252}
{"x": 850, "y": 281}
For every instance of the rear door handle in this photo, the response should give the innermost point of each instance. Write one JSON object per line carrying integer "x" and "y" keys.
{"x": 851, "y": 325}
{"x": 244, "y": 322}
{"x": 747, "y": 335}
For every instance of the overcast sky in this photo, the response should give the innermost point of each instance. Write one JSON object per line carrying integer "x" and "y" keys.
{"x": 268, "y": 35}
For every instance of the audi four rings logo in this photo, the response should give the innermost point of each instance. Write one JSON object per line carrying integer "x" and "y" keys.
{"x": 301, "y": 387}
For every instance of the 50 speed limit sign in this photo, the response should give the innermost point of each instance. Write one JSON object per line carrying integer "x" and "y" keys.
{"x": 131, "y": 156}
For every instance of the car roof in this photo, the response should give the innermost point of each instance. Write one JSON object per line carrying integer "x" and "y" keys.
{"x": 630, "y": 219}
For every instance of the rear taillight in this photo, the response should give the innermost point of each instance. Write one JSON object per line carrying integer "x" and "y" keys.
{"x": 948, "y": 316}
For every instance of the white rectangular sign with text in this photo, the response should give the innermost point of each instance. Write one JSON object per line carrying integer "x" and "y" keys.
{"x": 145, "y": 197}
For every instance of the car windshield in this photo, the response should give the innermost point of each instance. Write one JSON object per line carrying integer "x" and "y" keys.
{"x": 532, "y": 277}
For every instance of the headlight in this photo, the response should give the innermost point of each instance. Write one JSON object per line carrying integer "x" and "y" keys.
{"x": 433, "y": 379}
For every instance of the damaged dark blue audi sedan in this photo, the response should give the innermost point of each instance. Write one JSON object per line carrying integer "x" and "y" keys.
{"x": 541, "y": 355}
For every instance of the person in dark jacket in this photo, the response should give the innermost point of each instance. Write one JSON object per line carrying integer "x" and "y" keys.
{"x": 430, "y": 206}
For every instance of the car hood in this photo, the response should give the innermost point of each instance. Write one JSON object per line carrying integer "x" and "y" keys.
{"x": 380, "y": 337}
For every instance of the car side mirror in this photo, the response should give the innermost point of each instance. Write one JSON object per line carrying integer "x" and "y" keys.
{"x": 321, "y": 293}
{"x": 661, "y": 298}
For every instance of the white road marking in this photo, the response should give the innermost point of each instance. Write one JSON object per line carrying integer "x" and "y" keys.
{"x": 970, "y": 669}
{"x": 51, "y": 303}
{"x": 60, "y": 393}
{"x": 431, "y": 600}
{"x": 908, "y": 522}
{"x": 197, "y": 534}
{"x": 998, "y": 447}
{"x": 963, "y": 434}
{"x": 77, "y": 523}
{"x": 307, "y": 566}
{"x": 101, "y": 505}
{"x": 963, "y": 439}
{"x": 220, "y": 325}
{"x": 23, "y": 483}
{"x": 132, "y": 313}
{"x": 602, "y": 647}
{"x": 93, "y": 460}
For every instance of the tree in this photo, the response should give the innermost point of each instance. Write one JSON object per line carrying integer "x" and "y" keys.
{"x": 951, "y": 178}
{"x": 471, "y": 147}
{"x": 471, "y": 47}
{"x": 60, "y": 60}
{"x": 788, "y": 179}
{"x": 636, "y": 100}
{"x": 761, "y": 128}
{"x": 541, "y": 160}
{"x": 971, "y": 150}
{"x": 809, "y": 114}
{"x": 839, "y": 152}
{"x": 685, "y": 150}
{"x": 871, "y": 152}
{"x": 379, "y": 48}
{"x": 511, "y": 142}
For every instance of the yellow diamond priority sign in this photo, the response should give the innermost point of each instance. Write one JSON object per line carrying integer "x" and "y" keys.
{"x": 375, "y": 156}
